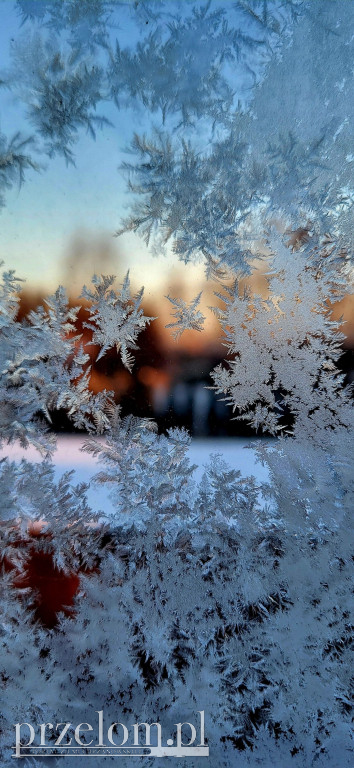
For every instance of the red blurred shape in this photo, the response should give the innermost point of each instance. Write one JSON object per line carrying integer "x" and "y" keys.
{"x": 54, "y": 590}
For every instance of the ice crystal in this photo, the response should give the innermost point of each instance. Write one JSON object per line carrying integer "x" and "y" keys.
{"x": 14, "y": 161}
{"x": 286, "y": 347}
{"x": 43, "y": 368}
{"x": 223, "y": 595}
{"x": 116, "y": 318}
{"x": 61, "y": 90}
{"x": 188, "y": 317}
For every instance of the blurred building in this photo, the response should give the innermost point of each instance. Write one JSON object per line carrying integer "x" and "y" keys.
{"x": 170, "y": 382}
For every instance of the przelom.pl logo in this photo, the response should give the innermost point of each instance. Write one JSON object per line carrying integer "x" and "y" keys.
{"x": 118, "y": 740}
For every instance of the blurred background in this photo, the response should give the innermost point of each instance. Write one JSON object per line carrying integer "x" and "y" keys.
{"x": 58, "y": 228}
{"x": 170, "y": 379}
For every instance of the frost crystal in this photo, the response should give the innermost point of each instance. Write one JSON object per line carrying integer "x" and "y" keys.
{"x": 43, "y": 369}
{"x": 285, "y": 347}
{"x": 14, "y": 161}
{"x": 188, "y": 317}
{"x": 61, "y": 91}
{"x": 116, "y": 319}
{"x": 226, "y": 595}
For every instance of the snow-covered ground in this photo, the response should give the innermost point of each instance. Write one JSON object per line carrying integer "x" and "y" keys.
{"x": 237, "y": 452}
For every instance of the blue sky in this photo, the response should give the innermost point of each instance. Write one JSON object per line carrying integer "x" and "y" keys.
{"x": 64, "y": 203}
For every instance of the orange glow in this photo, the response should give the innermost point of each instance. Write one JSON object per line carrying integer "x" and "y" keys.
{"x": 153, "y": 377}
{"x": 345, "y": 309}
{"x": 120, "y": 381}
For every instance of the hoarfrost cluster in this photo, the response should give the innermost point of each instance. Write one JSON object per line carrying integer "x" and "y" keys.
{"x": 224, "y": 594}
